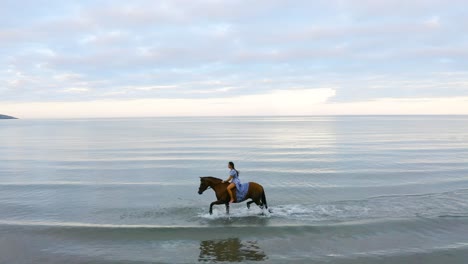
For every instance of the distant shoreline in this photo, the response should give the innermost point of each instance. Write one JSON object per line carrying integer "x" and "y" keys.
{"x": 7, "y": 117}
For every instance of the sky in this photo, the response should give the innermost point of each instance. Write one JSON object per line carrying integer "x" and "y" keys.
{"x": 74, "y": 59}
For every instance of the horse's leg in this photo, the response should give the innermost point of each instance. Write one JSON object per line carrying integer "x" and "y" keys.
{"x": 249, "y": 203}
{"x": 213, "y": 203}
{"x": 227, "y": 208}
{"x": 259, "y": 203}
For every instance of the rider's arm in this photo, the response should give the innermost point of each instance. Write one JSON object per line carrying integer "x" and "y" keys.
{"x": 230, "y": 178}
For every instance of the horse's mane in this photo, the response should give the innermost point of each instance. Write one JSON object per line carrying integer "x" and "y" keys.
{"x": 211, "y": 178}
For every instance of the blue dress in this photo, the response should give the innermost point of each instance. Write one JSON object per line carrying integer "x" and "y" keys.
{"x": 235, "y": 178}
{"x": 241, "y": 189}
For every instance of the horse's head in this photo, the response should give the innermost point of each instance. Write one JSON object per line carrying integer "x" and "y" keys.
{"x": 203, "y": 185}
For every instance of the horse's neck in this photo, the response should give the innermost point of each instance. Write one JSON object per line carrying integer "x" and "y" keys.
{"x": 214, "y": 183}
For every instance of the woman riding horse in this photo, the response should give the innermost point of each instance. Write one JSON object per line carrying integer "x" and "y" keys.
{"x": 234, "y": 176}
{"x": 253, "y": 191}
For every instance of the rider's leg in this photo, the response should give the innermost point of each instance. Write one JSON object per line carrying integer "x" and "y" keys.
{"x": 229, "y": 188}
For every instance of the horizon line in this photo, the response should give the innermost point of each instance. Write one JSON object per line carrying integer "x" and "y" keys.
{"x": 236, "y": 116}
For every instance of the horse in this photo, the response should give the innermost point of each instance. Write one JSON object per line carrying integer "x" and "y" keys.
{"x": 255, "y": 193}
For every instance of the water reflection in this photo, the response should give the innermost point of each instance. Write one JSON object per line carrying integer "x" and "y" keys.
{"x": 232, "y": 249}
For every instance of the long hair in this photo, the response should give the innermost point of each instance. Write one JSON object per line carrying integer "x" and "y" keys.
{"x": 233, "y": 167}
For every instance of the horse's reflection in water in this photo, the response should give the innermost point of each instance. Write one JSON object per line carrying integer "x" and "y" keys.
{"x": 232, "y": 249}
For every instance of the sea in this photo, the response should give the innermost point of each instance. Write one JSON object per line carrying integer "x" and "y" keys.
{"x": 340, "y": 189}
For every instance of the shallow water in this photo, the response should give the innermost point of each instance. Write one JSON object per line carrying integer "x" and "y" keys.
{"x": 340, "y": 189}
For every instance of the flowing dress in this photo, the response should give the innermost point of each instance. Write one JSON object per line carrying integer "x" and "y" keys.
{"x": 241, "y": 189}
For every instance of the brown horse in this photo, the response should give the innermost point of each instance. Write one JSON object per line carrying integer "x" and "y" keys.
{"x": 255, "y": 192}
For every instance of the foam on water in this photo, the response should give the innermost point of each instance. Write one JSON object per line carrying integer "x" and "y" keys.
{"x": 434, "y": 205}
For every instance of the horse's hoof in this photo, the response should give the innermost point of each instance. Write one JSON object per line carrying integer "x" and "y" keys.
{"x": 248, "y": 206}
{"x": 211, "y": 212}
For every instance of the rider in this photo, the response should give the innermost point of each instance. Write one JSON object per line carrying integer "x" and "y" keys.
{"x": 234, "y": 176}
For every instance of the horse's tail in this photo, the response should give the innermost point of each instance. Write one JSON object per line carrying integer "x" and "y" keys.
{"x": 264, "y": 202}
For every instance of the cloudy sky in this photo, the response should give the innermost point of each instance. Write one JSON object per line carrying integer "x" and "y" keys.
{"x": 164, "y": 58}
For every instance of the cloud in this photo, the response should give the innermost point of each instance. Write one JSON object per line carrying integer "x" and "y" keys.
{"x": 433, "y": 22}
{"x": 76, "y": 90}
{"x": 94, "y": 51}
{"x": 64, "y": 77}
{"x": 149, "y": 88}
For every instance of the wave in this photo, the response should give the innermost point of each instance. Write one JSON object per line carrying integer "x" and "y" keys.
{"x": 84, "y": 183}
{"x": 422, "y": 226}
{"x": 298, "y": 183}
{"x": 84, "y": 225}
{"x": 195, "y": 213}
{"x": 434, "y": 254}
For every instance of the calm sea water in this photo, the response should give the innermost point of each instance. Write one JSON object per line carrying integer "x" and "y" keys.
{"x": 341, "y": 189}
